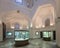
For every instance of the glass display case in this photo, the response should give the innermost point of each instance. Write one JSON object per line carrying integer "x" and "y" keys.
{"x": 47, "y": 35}
{"x": 9, "y": 34}
{"x": 21, "y": 37}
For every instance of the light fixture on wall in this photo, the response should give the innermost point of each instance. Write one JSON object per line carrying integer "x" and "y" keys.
{"x": 31, "y": 25}
{"x": 51, "y": 24}
{"x": 43, "y": 26}
{"x": 12, "y": 27}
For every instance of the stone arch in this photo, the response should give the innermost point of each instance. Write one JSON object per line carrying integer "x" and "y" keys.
{"x": 43, "y": 12}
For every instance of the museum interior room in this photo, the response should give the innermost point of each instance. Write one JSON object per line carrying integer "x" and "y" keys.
{"x": 29, "y": 23}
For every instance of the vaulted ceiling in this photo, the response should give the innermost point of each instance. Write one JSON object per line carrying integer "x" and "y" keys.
{"x": 9, "y": 5}
{"x": 37, "y": 14}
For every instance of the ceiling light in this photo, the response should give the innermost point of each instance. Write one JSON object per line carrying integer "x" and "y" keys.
{"x": 38, "y": 26}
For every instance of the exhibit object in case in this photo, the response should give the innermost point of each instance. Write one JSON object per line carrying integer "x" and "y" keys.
{"x": 21, "y": 37}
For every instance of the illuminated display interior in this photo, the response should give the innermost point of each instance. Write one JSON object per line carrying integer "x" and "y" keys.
{"x": 21, "y": 35}
{"x": 8, "y": 33}
{"x": 46, "y": 34}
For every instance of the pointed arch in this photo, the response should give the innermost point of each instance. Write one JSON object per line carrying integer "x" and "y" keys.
{"x": 43, "y": 12}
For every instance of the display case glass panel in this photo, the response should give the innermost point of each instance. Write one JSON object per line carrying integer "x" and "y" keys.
{"x": 46, "y": 34}
{"x": 21, "y": 35}
{"x": 8, "y": 33}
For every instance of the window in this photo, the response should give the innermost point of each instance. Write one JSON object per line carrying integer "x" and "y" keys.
{"x": 19, "y": 1}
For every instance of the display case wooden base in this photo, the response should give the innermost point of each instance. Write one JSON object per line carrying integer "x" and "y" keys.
{"x": 47, "y": 39}
{"x": 21, "y": 43}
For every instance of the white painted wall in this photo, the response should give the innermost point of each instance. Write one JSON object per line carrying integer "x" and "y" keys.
{"x": 58, "y": 22}
{"x": 58, "y": 32}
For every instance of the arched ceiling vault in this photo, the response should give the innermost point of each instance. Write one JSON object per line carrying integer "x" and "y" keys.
{"x": 14, "y": 17}
{"x": 14, "y": 14}
{"x": 43, "y": 12}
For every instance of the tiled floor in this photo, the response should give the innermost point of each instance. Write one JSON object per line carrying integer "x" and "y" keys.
{"x": 36, "y": 43}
